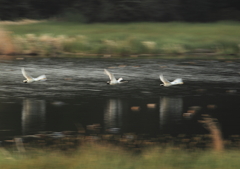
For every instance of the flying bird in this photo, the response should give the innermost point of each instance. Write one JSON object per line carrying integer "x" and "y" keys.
{"x": 30, "y": 79}
{"x": 113, "y": 80}
{"x": 167, "y": 83}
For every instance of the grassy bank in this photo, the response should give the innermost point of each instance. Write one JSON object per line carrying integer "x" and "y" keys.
{"x": 51, "y": 38}
{"x": 105, "y": 156}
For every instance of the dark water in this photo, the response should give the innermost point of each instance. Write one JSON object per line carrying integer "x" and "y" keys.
{"x": 76, "y": 94}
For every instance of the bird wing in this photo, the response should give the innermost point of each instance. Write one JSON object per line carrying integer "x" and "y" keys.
{"x": 111, "y": 76}
{"x": 120, "y": 79}
{"x": 177, "y": 81}
{"x": 27, "y": 76}
{"x": 41, "y": 78}
{"x": 163, "y": 79}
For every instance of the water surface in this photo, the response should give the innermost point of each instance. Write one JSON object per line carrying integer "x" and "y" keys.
{"x": 76, "y": 94}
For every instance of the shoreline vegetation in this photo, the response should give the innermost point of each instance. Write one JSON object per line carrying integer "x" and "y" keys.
{"x": 54, "y": 38}
{"x": 87, "y": 148}
{"x": 107, "y": 156}
{"x": 75, "y": 150}
{"x": 92, "y": 155}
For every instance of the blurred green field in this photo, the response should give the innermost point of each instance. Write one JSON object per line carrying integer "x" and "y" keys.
{"x": 221, "y": 38}
{"x": 104, "y": 157}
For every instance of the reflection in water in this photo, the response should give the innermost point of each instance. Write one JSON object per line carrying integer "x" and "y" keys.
{"x": 33, "y": 116}
{"x": 170, "y": 112}
{"x": 113, "y": 115}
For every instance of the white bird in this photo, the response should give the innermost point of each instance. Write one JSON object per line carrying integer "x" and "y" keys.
{"x": 30, "y": 79}
{"x": 167, "y": 83}
{"x": 113, "y": 80}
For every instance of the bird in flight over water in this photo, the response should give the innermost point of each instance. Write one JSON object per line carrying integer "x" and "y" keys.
{"x": 112, "y": 78}
{"x": 30, "y": 79}
{"x": 168, "y": 83}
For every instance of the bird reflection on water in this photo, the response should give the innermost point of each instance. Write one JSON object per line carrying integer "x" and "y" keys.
{"x": 33, "y": 116}
{"x": 117, "y": 114}
{"x": 113, "y": 115}
{"x": 170, "y": 112}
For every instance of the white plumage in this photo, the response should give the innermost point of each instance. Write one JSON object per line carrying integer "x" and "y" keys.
{"x": 112, "y": 78}
{"x": 168, "y": 83}
{"x": 30, "y": 79}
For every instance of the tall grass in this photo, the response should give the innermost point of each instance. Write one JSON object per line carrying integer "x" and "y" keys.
{"x": 127, "y": 38}
{"x": 104, "y": 157}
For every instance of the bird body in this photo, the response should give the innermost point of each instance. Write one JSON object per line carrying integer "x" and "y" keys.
{"x": 112, "y": 78}
{"x": 167, "y": 83}
{"x": 30, "y": 79}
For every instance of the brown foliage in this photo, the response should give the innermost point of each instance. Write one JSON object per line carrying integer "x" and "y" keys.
{"x": 211, "y": 124}
{"x": 6, "y": 43}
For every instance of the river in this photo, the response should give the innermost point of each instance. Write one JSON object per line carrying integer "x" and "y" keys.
{"x": 76, "y": 94}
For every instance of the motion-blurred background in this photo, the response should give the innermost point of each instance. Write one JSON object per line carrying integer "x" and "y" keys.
{"x": 122, "y": 10}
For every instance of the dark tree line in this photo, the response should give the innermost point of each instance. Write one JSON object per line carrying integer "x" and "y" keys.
{"x": 122, "y": 10}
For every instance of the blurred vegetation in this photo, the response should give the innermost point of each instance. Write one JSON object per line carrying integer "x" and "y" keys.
{"x": 107, "y": 156}
{"x": 121, "y": 10}
{"x": 52, "y": 37}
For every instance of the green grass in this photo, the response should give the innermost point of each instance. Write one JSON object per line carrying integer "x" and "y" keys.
{"x": 137, "y": 38}
{"x": 104, "y": 157}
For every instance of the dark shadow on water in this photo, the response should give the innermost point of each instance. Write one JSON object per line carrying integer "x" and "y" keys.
{"x": 165, "y": 115}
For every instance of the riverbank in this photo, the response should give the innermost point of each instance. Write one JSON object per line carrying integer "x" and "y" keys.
{"x": 95, "y": 155}
{"x": 51, "y": 38}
